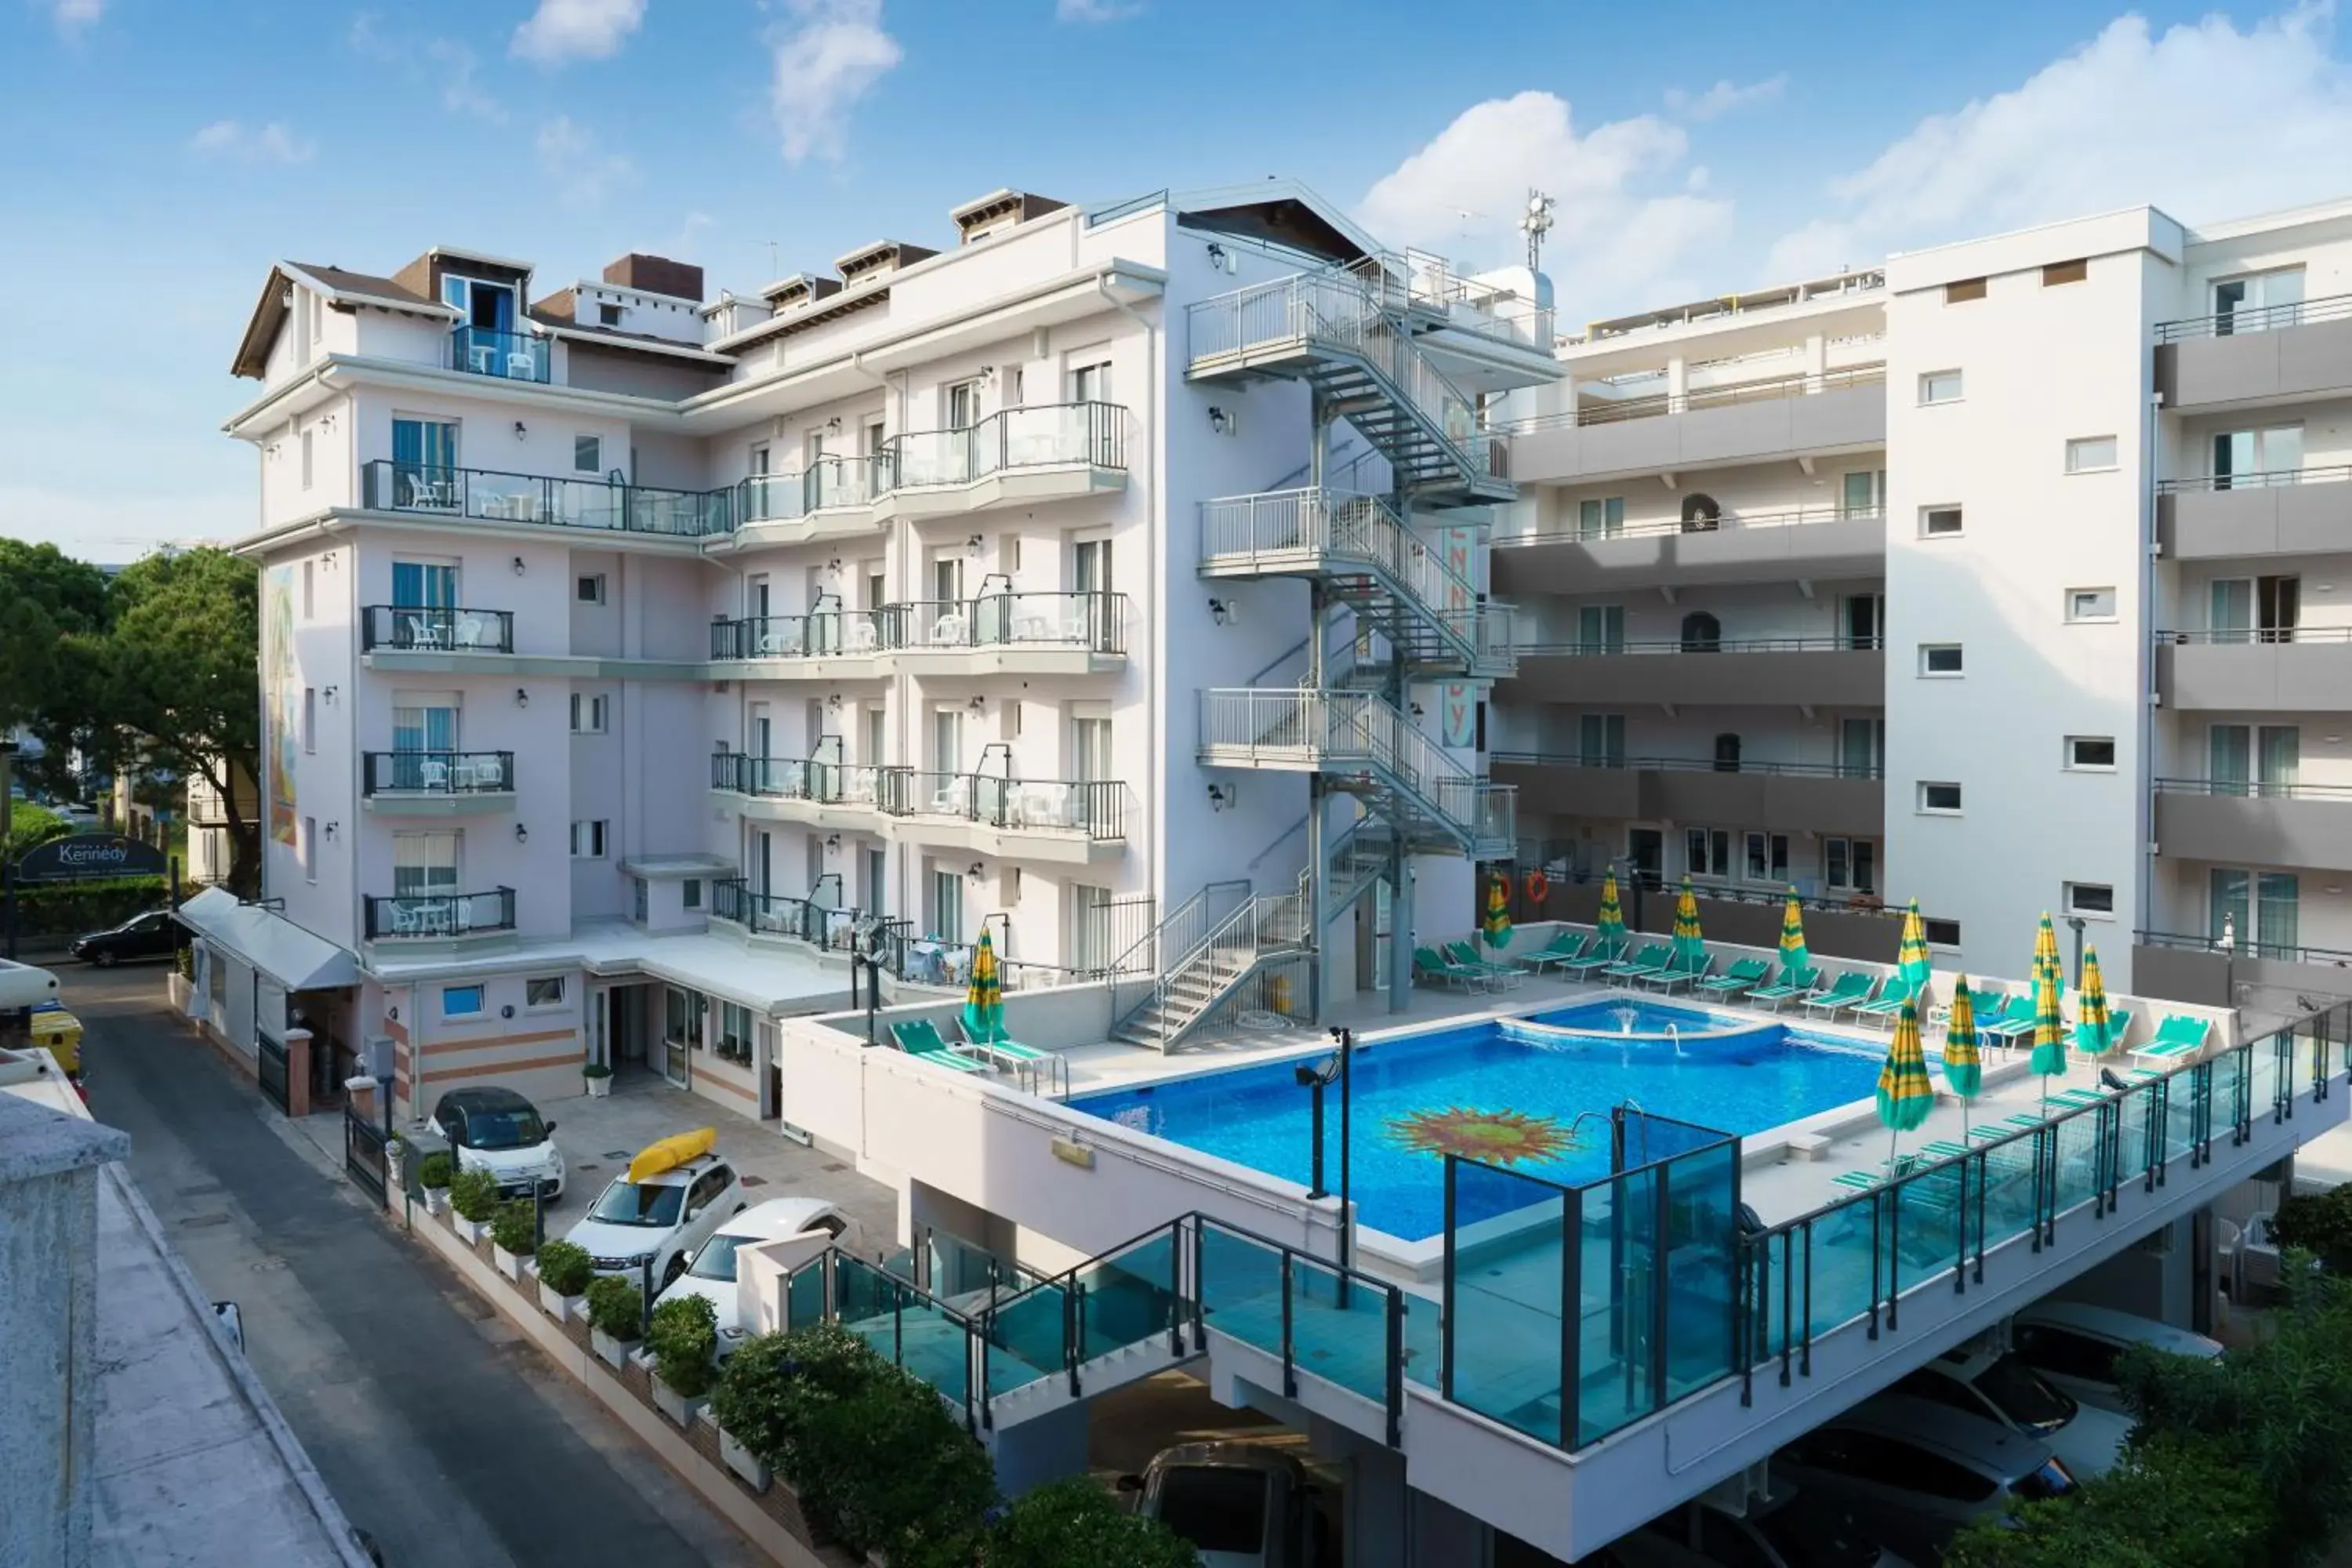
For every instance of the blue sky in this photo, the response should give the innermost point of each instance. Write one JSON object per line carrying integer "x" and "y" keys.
{"x": 181, "y": 148}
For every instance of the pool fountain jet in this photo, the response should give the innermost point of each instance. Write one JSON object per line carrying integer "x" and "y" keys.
{"x": 1625, "y": 1017}
{"x": 1675, "y": 1032}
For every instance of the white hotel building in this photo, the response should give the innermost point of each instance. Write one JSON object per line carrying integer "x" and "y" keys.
{"x": 1189, "y": 593}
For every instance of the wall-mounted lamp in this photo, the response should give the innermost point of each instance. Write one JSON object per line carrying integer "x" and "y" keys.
{"x": 832, "y": 843}
{"x": 988, "y": 374}
{"x": 331, "y": 828}
{"x": 520, "y": 431}
{"x": 1416, "y": 711}
{"x": 1216, "y": 254}
{"x": 393, "y": 1013}
{"x": 833, "y": 424}
{"x": 522, "y": 698}
{"x": 1220, "y": 422}
{"x": 834, "y": 565}
{"x": 1224, "y": 612}
{"x": 517, "y": 566}
{"x": 1223, "y": 796}
{"x": 972, "y": 545}
{"x": 522, "y": 833}
{"x": 832, "y": 701}
{"x": 973, "y": 874}
{"x": 327, "y": 695}
{"x": 977, "y": 703}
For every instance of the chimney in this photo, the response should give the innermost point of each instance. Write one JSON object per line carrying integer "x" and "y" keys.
{"x": 881, "y": 258}
{"x": 801, "y": 288}
{"x": 656, "y": 274}
{"x": 998, "y": 211}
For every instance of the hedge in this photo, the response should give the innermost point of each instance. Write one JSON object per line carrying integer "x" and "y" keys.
{"x": 75, "y": 909}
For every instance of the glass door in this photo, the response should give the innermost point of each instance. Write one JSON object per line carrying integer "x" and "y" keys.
{"x": 1601, "y": 740}
{"x": 424, "y": 585}
{"x": 1601, "y": 517}
{"x": 1645, "y": 847}
{"x": 2278, "y": 607}
{"x": 2229, "y": 609}
{"x": 2229, "y": 758}
{"x": 1864, "y": 616}
{"x": 2277, "y": 914}
{"x": 681, "y": 1022}
{"x": 877, "y": 886}
{"x": 1601, "y": 628}
{"x": 947, "y": 906}
{"x": 1862, "y": 748}
{"x": 2278, "y": 758}
{"x": 1863, "y": 493}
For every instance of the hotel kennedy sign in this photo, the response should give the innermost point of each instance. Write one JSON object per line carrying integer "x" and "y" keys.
{"x": 86, "y": 856}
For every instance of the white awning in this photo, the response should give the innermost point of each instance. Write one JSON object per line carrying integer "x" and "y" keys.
{"x": 269, "y": 942}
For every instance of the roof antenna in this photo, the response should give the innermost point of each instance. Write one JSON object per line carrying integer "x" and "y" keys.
{"x": 1536, "y": 224}
{"x": 775, "y": 265}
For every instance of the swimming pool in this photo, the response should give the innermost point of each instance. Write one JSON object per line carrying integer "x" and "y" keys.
{"x": 1504, "y": 1088}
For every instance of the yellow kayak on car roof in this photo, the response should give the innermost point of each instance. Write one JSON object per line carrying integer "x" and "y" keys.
{"x": 670, "y": 1153}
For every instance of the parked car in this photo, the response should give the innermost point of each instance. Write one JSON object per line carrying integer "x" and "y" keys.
{"x": 2002, "y": 1386}
{"x": 1243, "y": 1506}
{"x": 154, "y": 934}
{"x": 1788, "y": 1527}
{"x": 673, "y": 1197}
{"x": 2074, "y": 1345}
{"x": 1914, "y": 1473}
{"x": 710, "y": 1270}
{"x": 498, "y": 1131}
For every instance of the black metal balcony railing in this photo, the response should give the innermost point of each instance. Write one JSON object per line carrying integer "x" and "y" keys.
{"x": 2242, "y": 637}
{"x": 420, "y": 628}
{"x": 2256, "y": 318}
{"x": 822, "y": 780}
{"x": 1650, "y": 528}
{"x": 437, "y": 773}
{"x": 2289, "y": 953}
{"x": 828, "y": 633}
{"x": 493, "y": 497}
{"x": 1704, "y": 645}
{"x": 1095, "y": 809}
{"x": 439, "y": 914}
{"x": 510, "y": 356}
{"x": 1617, "y": 761}
{"x": 2254, "y": 789}
{"x": 1617, "y": 410}
{"x": 2262, "y": 478}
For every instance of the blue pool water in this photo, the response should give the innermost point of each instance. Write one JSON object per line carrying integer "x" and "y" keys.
{"x": 1741, "y": 1074}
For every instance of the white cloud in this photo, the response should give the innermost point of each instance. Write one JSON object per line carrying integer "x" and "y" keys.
{"x": 833, "y": 52}
{"x": 2130, "y": 117}
{"x": 564, "y": 30}
{"x": 72, "y": 16}
{"x": 454, "y": 66}
{"x": 688, "y": 244}
{"x": 1725, "y": 98}
{"x": 582, "y": 171}
{"x": 1621, "y": 222}
{"x": 234, "y": 140}
{"x": 1096, "y": 10}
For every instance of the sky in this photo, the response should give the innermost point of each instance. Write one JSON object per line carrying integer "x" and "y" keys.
{"x": 168, "y": 151}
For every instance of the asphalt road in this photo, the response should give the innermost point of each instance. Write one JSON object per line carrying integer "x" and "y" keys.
{"x": 439, "y": 1429}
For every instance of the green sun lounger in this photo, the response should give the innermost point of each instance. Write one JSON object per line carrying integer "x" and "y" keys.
{"x": 1604, "y": 952}
{"x": 2120, "y": 1023}
{"x": 2012, "y": 1026}
{"x": 1850, "y": 988}
{"x": 1653, "y": 956}
{"x": 1563, "y": 949}
{"x": 1888, "y": 1004}
{"x": 2177, "y": 1036}
{"x": 921, "y": 1041}
{"x": 1500, "y": 973}
{"x": 1677, "y": 974}
{"x": 1428, "y": 964}
{"x": 1794, "y": 985}
{"x": 1740, "y": 978}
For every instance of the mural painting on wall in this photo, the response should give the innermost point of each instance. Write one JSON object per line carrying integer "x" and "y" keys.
{"x": 280, "y": 695}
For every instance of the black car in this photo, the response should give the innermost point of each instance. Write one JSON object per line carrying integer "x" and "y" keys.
{"x": 154, "y": 934}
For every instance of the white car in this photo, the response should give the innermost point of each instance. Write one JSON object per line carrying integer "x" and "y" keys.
{"x": 2001, "y": 1385}
{"x": 498, "y": 1131}
{"x": 659, "y": 1219}
{"x": 2074, "y": 1345}
{"x": 710, "y": 1272}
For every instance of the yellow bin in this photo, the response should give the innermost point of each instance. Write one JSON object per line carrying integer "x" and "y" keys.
{"x": 58, "y": 1031}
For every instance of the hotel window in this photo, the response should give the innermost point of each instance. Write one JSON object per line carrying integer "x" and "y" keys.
{"x": 588, "y": 454}
{"x": 424, "y": 865}
{"x": 2089, "y": 605}
{"x": 946, "y": 906}
{"x": 423, "y": 451}
{"x": 1768, "y": 857}
{"x": 309, "y": 456}
{"x": 2258, "y": 914}
{"x": 690, "y": 894}
{"x": 1601, "y": 740}
{"x": 2258, "y": 303}
{"x": 734, "y": 1042}
{"x": 461, "y": 1000}
{"x": 1942, "y": 798}
{"x": 1862, "y": 748}
{"x": 311, "y": 719}
{"x": 1850, "y": 865}
{"x": 309, "y": 849}
{"x": 1600, "y": 517}
{"x": 1939, "y": 659}
{"x": 2242, "y": 458}
{"x": 1601, "y": 628}
{"x": 959, "y": 405}
{"x": 2091, "y": 754}
{"x": 1941, "y": 523}
{"x": 759, "y": 460}
{"x": 2059, "y": 272}
{"x": 1941, "y": 932}
{"x": 608, "y": 315}
{"x": 590, "y": 588}
{"x": 1939, "y": 387}
{"x": 588, "y": 713}
{"x": 1090, "y": 562}
{"x": 309, "y": 590}
{"x": 588, "y": 839}
{"x": 1863, "y": 493}
{"x": 2097, "y": 899}
{"x": 1090, "y": 383}
{"x": 1707, "y": 851}
{"x": 1960, "y": 291}
{"x": 2090, "y": 454}
{"x": 543, "y": 993}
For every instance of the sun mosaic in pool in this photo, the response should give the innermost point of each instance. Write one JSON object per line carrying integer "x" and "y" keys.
{"x": 1496, "y": 1137}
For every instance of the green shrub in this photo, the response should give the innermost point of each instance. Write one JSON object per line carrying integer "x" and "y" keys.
{"x": 72, "y": 909}
{"x": 2167, "y": 1506}
{"x": 614, "y": 1307}
{"x": 1072, "y": 1522}
{"x": 474, "y": 1194}
{"x": 2321, "y": 1225}
{"x": 435, "y": 1170}
{"x": 515, "y": 1227}
{"x": 596, "y": 1070}
{"x": 684, "y": 1337}
{"x": 565, "y": 1267}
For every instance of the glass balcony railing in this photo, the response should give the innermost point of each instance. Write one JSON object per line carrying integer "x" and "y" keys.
{"x": 495, "y": 497}
{"x": 1091, "y": 620}
{"x": 437, "y": 773}
{"x": 510, "y": 356}
{"x": 1046, "y": 437}
{"x": 424, "y": 629}
{"x": 828, "y": 633}
{"x": 439, "y": 914}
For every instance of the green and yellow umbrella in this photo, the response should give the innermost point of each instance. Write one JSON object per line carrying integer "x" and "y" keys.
{"x": 983, "y": 1000}
{"x": 1610, "y": 922}
{"x": 1497, "y": 926}
{"x": 2045, "y": 951}
{"x": 1690, "y": 948}
{"x": 1793, "y": 956}
{"x": 2049, "y": 1021}
{"x": 1963, "y": 1063}
{"x": 1905, "y": 1093}
{"x": 1911, "y": 964}
{"x": 2094, "y": 1029}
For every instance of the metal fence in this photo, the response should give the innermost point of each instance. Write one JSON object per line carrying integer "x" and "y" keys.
{"x": 271, "y": 1069}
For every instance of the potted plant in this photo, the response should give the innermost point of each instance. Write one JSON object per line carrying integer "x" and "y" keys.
{"x": 615, "y": 1313}
{"x": 395, "y": 1161}
{"x": 683, "y": 1338}
{"x": 434, "y": 1173}
{"x": 599, "y": 1079}
{"x": 474, "y": 1198}
{"x": 565, "y": 1270}
{"x": 514, "y": 1235}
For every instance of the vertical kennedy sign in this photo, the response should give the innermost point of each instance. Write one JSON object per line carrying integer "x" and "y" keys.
{"x": 84, "y": 855}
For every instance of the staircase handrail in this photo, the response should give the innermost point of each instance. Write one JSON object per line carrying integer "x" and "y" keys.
{"x": 1169, "y": 944}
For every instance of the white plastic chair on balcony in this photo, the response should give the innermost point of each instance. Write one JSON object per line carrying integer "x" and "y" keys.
{"x": 777, "y": 645}
{"x": 433, "y": 775}
{"x": 955, "y": 799}
{"x": 484, "y": 358}
{"x": 407, "y": 918}
{"x": 482, "y": 773}
{"x": 422, "y": 633}
{"x": 1045, "y": 805}
{"x": 436, "y": 495}
{"x": 522, "y": 364}
{"x": 948, "y": 629}
{"x": 863, "y": 638}
{"x": 472, "y": 631}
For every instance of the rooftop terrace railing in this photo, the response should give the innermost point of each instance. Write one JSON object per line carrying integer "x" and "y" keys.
{"x": 2243, "y": 947}
{"x": 508, "y": 356}
{"x": 1593, "y": 648}
{"x": 2254, "y": 789}
{"x": 1617, "y": 410}
{"x": 2261, "y": 478}
{"x": 2245, "y": 637}
{"x": 1618, "y": 762}
{"x": 1726, "y": 522}
{"x": 2256, "y": 318}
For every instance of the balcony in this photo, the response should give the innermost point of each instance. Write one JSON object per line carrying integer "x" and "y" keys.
{"x": 1797, "y": 797}
{"x": 416, "y": 489}
{"x": 1840, "y": 410}
{"x": 1082, "y": 633}
{"x": 832, "y": 645}
{"x": 1812, "y": 672}
{"x": 1074, "y": 822}
{"x": 777, "y": 915}
{"x": 1819, "y": 543}
{"x": 816, "y": 791}
{"x": 2263, "y": 355}
{"x": 1016, "y": 456}
{"x": 508, "y": 356}
{"x": 434, "y": 629}
{"x": 2290, "y": 668}
{"x": 2198, "y": 970}
{"x": 834, "y": 499}
{"x": 440, "y": 918}
{"x": 2290, "y": 511}
{"x": 2237, "y": 823}
{"x": 437, "y": 784}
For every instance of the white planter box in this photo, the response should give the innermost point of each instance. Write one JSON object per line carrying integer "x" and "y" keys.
{"x": 676, "y": 1406}
{"x": 742, "y": 1461}
{"x": 509, "y": 1264}
{"x": 613, "y": 1353}
{"x": 599, "y": 1088}
{"x": 468, "y": 1231}
{"x": 562, "y": 1309}
{"x": 436, "y": 1200}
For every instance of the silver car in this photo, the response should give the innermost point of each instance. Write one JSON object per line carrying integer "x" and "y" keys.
{"x": 1984, "y": 1380}
{"x": 2075, "y": 1346}
{"x": 1914, "y": 1473}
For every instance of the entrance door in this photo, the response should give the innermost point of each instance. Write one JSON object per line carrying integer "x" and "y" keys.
{"x": 681, "y": 1021}
{"x": 1647, "y": 848}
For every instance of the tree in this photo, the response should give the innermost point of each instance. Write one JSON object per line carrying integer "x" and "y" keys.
{"x": 28, "y": 825}
{"x": 1073, "y": 1523}
{"x": 2172, "y": 1505}
{"x": 53, "y": 612}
